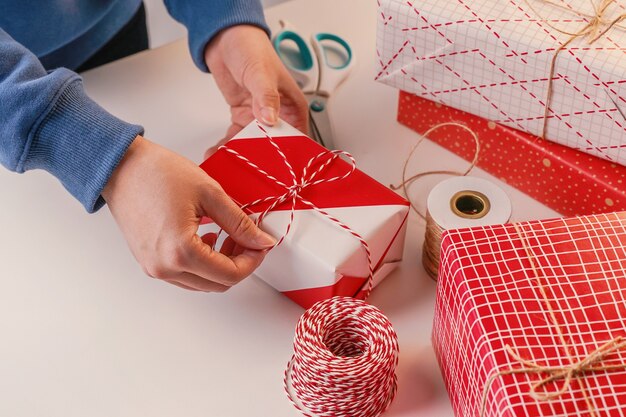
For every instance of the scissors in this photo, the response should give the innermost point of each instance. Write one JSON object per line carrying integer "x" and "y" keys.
{"x": 319, "y": 67}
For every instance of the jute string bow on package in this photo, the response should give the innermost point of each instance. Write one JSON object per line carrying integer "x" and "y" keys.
{"x": 577, "y": 369}
{"x": 530, "y": 318}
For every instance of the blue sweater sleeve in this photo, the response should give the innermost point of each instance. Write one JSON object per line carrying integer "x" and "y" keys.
{"x": 49, "y": 123}
{"x": 205, "y": 18}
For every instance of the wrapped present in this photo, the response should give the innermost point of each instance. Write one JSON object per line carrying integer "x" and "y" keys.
{"x": 569, "y": 181}
{"x": 530, "y": 318}
{"x": 337, "y": 226}
{"x": 494, "y": 59}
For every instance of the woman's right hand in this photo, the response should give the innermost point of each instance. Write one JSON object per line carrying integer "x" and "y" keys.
{"x": 158, "y": 199}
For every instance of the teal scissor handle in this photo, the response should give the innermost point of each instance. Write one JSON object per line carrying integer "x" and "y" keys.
{"x": 305, "y": 54}
{"x": 301, "y": 62}
{"x": 337, "y": 39}
{"x": 332, "y": 74}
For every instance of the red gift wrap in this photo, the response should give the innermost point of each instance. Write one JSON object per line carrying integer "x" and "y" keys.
{"x": 340, "y": 232}
{"x": 530, "y": 319}
{"x": 566, "y": 180}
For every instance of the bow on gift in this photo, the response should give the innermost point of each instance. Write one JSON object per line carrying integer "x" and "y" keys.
{"x": 310, "y": 177}
{"x": 596, "y": 27}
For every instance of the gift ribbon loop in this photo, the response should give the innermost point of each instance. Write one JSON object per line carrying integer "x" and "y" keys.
{"x": 590, "y": 363}
{"x": 293, "y": 192}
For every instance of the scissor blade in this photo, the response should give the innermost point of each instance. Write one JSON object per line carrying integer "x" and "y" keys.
{"x": 320, "y": 122}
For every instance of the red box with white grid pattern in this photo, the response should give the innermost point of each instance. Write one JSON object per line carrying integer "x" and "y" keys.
{"x": 489, "y": 297}
{"x": 569, "y": 181}
{"x": 493, "y": 58}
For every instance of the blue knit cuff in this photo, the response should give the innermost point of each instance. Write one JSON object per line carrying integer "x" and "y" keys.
{"x": 239, "y": 12}
{"x": 80, "y": 143}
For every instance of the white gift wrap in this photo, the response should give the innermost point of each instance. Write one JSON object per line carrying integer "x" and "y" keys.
{"x": 492, "y": 58}
{"x": 318, "y": 258}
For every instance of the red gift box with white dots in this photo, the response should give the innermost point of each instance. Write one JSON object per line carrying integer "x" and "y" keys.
{"x": 566, "y": 180}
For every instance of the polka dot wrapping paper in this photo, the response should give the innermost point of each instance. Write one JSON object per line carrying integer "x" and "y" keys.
{"x": 493, "y": 58}
{"x": 530, "y": 318}
{"x": 568, "y": 181}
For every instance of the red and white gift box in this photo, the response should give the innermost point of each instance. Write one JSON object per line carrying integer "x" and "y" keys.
{"x": 569, "y": 181}
{"x": 492, "y": 58}
{"x": 520, "y": 306}
{"x": 318, "y": 258}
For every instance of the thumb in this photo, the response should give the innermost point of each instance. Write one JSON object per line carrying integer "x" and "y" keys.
{"x": 217, "y": 205}
{"x": 263, "y": 87}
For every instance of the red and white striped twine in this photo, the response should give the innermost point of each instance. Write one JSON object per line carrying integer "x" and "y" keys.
{"x": 344, "y": 362}
{"x": 345, "y": 350}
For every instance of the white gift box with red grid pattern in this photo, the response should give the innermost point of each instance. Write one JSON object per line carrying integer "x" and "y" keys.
{"x": 318, "y": 258}
{"x": 488, "y": 297}
{"x": 492, "y": 58}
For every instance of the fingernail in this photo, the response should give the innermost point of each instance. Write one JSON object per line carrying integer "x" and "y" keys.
{"x": 268, "y": 115}
{"x": 265, "y": 240}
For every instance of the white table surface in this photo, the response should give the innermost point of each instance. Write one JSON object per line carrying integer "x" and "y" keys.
{"x": 84, "y": 333}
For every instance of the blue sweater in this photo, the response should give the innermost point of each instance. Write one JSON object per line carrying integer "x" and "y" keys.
{"x": 46, "y": 119}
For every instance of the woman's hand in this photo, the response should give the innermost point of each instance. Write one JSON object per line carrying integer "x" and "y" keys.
{"x": 254, "y": 81}
{"x": 158, "y": 198}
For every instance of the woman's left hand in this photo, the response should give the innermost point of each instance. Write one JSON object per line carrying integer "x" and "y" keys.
{"x": 253, "y": 80}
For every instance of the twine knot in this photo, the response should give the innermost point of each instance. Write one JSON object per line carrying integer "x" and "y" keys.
{"x": 596, "y": 27}
{"x": 566, "y": 373}
{"x": 295, "y": 190}
{"x": 593, "y": 31}
{"x": 311, "y": 176}
{"x": 590, "y": 363}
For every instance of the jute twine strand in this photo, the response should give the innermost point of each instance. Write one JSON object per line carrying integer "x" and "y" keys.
{"x": 596, "y": 27}
{"x": 576, "y": 369}
{"x": 432, "y": 239}
{"x": 345, "y": 351}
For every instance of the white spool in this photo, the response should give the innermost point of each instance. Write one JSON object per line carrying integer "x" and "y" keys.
{"x": 458, "y": 203}
{"x": 462, "y": 202}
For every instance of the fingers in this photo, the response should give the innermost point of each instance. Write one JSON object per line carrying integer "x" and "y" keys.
{"x": 207, "y": 270}
{"x": 219, "y": 268}
{"x": 183, "y": 286}
{"x": 262, "y": 83}
{"x": 231, "y": 248}
{"x": 295, "y": 107}
{"x": 219, "y": 206}
{"x": 193, "y": 282}
{"x": 195, "y": 265}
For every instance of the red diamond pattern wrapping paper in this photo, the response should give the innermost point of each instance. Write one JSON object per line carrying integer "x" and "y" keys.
{"x": 488, "y": 297}
{"x": 318, "y": 258}
{"x": 492, "y": 58}
{"x": 569, "y": 181}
